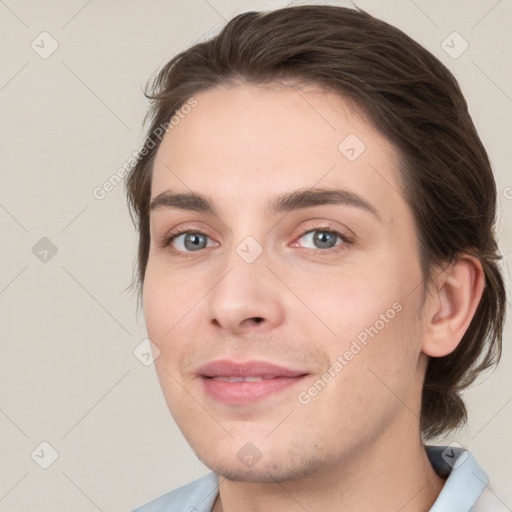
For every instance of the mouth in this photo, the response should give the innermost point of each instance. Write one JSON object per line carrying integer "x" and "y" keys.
{"x": 235, "y": 383}
{"x": 244, "y": 379}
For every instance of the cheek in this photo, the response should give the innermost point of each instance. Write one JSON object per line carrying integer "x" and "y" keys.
{"x": 377, "y": 300}
{"x": 172, "y": 307}
{"x": 372, "y": 381}
{"x": 350, "y": 304}
{"x": 165, "y": 313}
{"x": 156, "y": 308}
{"x": 167, "y": 303}
{"x": 375, "y": 336}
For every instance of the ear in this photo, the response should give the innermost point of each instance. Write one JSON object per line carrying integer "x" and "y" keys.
{"x": 451, "y": 305}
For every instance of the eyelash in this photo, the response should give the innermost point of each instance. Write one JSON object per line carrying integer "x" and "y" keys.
{"x": 346, "y": 241}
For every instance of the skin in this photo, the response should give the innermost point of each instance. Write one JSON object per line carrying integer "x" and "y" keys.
{"x": 356, "y": 445}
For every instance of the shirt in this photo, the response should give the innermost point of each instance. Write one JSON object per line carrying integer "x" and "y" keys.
{"x": 466, "y": 488}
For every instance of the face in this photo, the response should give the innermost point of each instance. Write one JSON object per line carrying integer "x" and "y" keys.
{"x": 284, "y": 300}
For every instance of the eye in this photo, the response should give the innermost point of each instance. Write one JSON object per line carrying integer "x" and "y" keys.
{"x": 322, "y": 239}
{"x": 189, "y": 241}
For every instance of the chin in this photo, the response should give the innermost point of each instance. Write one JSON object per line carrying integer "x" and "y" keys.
{"x": 272, "y": 470}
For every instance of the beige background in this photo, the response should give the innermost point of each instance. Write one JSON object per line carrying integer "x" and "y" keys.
{"x": 69, "y": 121}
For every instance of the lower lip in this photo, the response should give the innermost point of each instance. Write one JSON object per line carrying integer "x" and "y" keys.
{"x": 240, "y": 393}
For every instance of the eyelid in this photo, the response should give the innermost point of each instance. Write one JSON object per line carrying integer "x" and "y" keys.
{"x": 174, "y": 233}
{"x": 323, "y": 230}
{"x": 186, "y": 227}
{"x": 325, "y": 225}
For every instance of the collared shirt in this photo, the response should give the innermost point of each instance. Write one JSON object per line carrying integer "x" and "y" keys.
{"x": 466, "y": 488}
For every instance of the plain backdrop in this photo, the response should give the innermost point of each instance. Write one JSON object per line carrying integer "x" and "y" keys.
{"x": 70, "y": 119}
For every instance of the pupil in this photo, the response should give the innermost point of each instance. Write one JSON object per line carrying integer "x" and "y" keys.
{"x": 193, "y": 241}
{"x": 323, "y": 239}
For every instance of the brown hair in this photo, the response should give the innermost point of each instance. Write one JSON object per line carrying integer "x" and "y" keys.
{"x": 414, "y": 100}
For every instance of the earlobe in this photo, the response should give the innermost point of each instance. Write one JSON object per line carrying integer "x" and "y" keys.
{"x": 452, "y": 305}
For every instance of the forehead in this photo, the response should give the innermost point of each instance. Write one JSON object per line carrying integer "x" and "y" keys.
{"x": 259, "y": 141}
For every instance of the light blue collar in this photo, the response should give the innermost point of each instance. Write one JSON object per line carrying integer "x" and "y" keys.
{"x": 466, "y": 479}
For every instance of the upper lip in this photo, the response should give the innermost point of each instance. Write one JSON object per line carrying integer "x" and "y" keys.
{"x": 226, "y": 368}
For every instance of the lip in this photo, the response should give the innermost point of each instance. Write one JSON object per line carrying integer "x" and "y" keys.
{"x": 275, "y": 379}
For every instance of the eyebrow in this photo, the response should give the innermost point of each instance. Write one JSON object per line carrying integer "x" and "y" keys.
{"x": 286, "y": 202}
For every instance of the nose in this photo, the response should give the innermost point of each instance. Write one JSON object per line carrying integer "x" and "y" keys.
{"x": 245, "y": 298}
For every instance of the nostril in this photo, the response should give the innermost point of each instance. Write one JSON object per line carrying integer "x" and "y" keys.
{"x": 258, "y": 319}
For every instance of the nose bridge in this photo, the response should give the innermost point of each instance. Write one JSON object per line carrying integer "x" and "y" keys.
{"x": 249, "y": 250}
{"x": 247, "y": 247}
{"x": 243, "y": 270}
